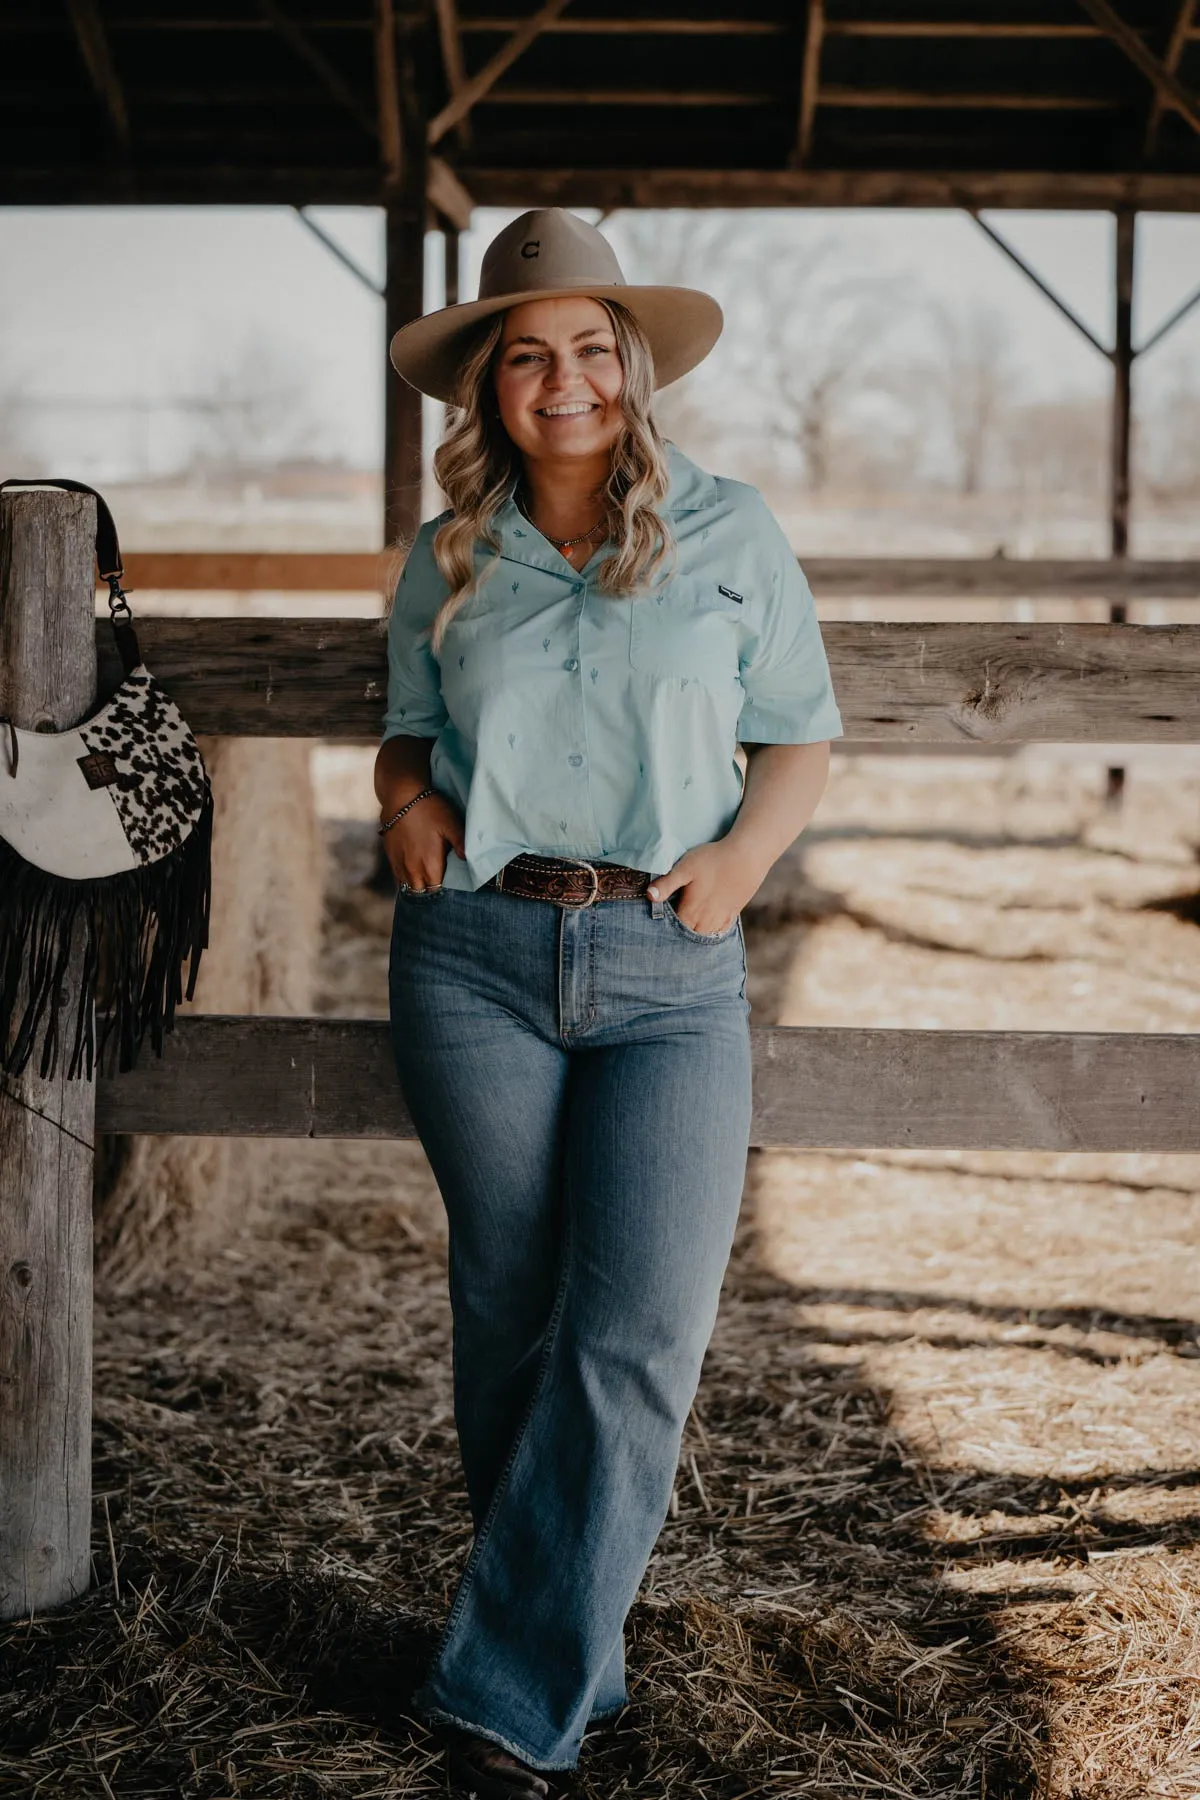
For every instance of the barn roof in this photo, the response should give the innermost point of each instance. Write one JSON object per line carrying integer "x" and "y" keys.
{"x": 611, "y": 102}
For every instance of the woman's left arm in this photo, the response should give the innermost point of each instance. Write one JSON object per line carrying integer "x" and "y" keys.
{"x": 783, "y": 786}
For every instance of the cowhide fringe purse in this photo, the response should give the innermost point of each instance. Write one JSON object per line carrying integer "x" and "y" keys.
{"x": 105, "y": 839}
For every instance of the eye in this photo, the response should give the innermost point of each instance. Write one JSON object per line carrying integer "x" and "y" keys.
{"x": 602, "y": 349}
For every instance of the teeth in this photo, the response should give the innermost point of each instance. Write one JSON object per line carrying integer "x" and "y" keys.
{"x": 555, "y": 412}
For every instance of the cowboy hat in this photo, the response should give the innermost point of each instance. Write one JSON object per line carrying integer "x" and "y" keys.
{"x": 550, "y": 254}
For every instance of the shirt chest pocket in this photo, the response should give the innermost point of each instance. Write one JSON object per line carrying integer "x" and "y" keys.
{"x": 689, "y": 632}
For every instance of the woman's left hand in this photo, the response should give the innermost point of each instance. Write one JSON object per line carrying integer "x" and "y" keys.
{"x": 719, "y": 879}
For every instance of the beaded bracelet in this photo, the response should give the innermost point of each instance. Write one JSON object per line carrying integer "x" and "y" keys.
{"x": 388, "y": 823}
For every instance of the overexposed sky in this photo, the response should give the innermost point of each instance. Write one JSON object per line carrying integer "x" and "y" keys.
{"x": 112, "y": 319}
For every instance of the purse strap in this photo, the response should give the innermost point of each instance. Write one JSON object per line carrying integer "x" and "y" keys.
{"x": 108, "y": 561}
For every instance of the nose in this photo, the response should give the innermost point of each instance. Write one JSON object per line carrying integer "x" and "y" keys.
{"x": 559, "y": 371}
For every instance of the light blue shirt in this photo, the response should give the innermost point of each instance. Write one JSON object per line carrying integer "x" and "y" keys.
{"x": 573, "y": 723}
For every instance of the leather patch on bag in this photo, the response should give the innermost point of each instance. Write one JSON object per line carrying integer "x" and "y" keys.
{"x": 99, "y": 770}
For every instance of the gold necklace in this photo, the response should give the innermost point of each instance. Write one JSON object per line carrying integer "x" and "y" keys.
{"x": 561, "y": 543}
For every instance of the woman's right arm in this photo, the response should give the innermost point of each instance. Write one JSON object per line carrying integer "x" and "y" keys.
{"x": 417, "y": 845}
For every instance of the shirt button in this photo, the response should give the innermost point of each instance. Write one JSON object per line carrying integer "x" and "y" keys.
{"x": 575, "y": 760}
{"x": 572, "y": 662}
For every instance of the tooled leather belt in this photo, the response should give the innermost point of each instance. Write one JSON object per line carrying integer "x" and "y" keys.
{"x": 569, "y": 880}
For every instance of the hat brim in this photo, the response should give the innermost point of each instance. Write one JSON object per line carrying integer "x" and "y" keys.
{"x": 681, "y": 326}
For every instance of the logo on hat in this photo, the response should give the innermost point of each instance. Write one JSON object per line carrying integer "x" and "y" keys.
{"x": 532, "y": 248}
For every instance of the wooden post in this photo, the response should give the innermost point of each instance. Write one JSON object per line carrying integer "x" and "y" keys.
{"x": 450, "y": 236}
{"x": 1122, "y": 417}
{"x": 47, "y": 683}
{"x": 402, "y": 460}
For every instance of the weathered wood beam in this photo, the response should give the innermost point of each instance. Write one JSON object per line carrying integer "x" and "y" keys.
{"x": 404, "y": 301}
{"x": 647, "y": 26}
{"x": 810, "y": 83}
{"x": 812, "y": 1088}
{"x": 96, "y": 52}
{"x": 1075, "y": 191}
{"x": 312, "y": 183}
{"x": 955, "y": 28}
{"x": 309, "y": 53}
{"x": 1181, "y": 31}
{"x": 47, "y": 683}
{"x": 1167, "y": 85}
{"x": 956, "y": 683}
{"x": 387, "y": 95}
{"x": 861, "y": 577}
{"x": 447, "y": 195}
{"x": 629, "y": 96}
{"x": 473, "y": 90}
{"x": 964, "y": 100}
{"x": 450, "y": 39}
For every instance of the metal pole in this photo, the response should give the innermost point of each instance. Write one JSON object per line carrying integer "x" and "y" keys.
{"x": 1122, "y": 415}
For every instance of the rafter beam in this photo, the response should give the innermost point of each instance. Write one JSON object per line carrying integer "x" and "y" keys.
{"x": 639, "y": 27}
{"x": 450, "y": 39}
{"x": 953, "y": 28}
{"x": 810, "y": 82}
{"x": 96, "y": 52}
{"x": 387, "y": 94}
{"x": 461, "y": 103}
{"x": 447, "y": 195}
{"x": 1180, "y": 33}
{"x": 1168, "y": 86}
{"x": 964, "y": 100}
{"x": 333, "y": 81}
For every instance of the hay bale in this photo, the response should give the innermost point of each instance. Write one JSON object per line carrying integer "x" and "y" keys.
{"x": 162, "y": 1201}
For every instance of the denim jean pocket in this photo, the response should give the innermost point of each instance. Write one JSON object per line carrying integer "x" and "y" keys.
{"x": 429, "y": 893}
{"x": 701, "y": 937}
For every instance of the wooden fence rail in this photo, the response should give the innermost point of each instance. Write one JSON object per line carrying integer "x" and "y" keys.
{"x": 813, "y": 1087}
{"x": 890, "y": 577}
{"x": 898, "y": 684}
{"x": 984, "y": 682}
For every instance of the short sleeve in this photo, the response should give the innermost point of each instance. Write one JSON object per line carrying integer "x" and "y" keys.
{"x": 414, "y": 692}
{"x": 784, "y": 671}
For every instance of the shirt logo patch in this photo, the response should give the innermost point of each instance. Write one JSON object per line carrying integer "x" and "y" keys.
{"x": 99, "y": 770}
{"x": 729, "y": 594}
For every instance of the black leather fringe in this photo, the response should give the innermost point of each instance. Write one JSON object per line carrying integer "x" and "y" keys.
{"x": 137, "y": 930}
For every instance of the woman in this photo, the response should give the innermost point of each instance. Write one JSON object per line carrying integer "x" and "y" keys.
{"x": 576, "y": 647}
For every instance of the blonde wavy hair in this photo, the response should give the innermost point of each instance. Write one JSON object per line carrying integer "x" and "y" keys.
{"x": 477, "y": 464}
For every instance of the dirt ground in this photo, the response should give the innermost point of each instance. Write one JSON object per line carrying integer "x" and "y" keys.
{"x": 936, "y": 1521}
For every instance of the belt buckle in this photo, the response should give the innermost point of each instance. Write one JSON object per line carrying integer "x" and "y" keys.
{"x": 578, "y": 905}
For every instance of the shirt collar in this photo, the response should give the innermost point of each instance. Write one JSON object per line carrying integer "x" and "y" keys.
{"x": 690, "y": 489}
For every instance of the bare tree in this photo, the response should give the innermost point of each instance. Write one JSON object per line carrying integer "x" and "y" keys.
{"x": 1168, "y": 429}
{"x": 817, "y": 342}
{"x": 1057, "y": 446}
{"x": 975, "y": 378}
{"x": 252, "y": 407}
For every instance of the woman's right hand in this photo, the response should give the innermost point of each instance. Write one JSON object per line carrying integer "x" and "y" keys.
{"x": 418, "y": 845}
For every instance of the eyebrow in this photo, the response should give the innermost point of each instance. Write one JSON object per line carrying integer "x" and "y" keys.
{"x": 593, "y": 331}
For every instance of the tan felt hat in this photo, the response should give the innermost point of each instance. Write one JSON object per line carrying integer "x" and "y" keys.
{"x": 550, "y": 254}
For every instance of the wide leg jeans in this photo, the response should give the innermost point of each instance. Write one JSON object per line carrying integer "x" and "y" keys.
{"x": 580, "y": 1082}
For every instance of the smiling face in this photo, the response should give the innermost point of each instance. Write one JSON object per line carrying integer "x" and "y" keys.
{"x": 558, "y": 376}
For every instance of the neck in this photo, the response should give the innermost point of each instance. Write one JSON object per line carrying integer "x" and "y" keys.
{"x": 565, "y": 497}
